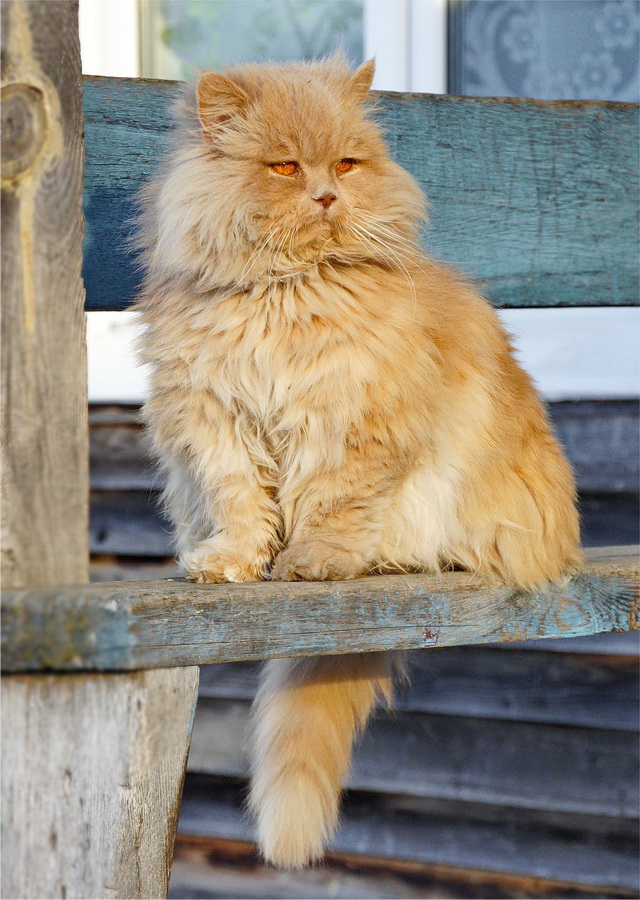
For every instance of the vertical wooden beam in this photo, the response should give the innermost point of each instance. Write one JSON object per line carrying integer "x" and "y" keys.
{"x": 44, "y": 397}
{"x": 92, "y": 766}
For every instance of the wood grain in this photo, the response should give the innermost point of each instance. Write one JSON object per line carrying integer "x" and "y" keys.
{"x": 534, "y": 199}
{"x": 563, "y": 845}
{"x": 93, "y": 767}
{"x": 502, "y": 763}
{"x": 131, "y": 625}
{"x": 44, "y": 396}
{"x": 215, "y": 867}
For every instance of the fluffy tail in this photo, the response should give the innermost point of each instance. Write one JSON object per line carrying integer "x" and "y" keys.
{"x": 306, "y": 716}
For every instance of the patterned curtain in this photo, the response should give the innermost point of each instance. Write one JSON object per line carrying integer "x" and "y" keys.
{"x": 549, "y": 49}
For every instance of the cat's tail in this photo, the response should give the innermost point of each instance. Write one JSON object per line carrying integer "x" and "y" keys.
{"x": 306, "y": 716}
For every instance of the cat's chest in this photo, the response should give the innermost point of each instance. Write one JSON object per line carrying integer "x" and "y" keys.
{"x": 277, "y": 362}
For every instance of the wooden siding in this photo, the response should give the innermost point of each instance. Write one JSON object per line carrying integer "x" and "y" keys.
{"x": 536, "y": 200}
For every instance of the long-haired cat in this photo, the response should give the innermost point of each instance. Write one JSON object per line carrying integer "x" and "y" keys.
{"x": 326, "y": 401}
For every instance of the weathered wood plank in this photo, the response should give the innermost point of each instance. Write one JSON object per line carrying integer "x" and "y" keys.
{"x": 92, "y": 770}
{"x": 92, "y": 766}
{"x": 44, "y": 403}
{"x": 525, "y": 686}
{"x": 536, "y": 200}
{"x": 211, "y": 867}
{"x": 131, "y": 625}
{"x": 515, "y": 764}
{"x": 588, "y": 850}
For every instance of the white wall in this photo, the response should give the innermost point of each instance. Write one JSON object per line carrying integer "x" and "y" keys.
{"x": 570, "y": 353}
{"x": 109, "y": 38}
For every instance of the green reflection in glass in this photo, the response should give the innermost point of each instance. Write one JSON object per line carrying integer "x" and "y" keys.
{"x": 182, "y": 36}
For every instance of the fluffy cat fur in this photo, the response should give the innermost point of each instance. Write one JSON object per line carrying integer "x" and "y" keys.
{"x": 326, "y": 401}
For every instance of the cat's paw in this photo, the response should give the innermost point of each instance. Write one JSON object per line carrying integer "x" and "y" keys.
{"x": 213, "y": 562}
{"x": 317, "y": 561}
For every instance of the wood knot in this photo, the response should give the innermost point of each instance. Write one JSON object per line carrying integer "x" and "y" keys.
{"x": 24, "y": 127}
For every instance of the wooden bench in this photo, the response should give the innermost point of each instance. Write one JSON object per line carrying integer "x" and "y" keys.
{"x": 537, "y": 200}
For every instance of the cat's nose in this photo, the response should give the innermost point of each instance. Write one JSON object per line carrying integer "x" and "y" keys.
{"x": 326, "y": 199}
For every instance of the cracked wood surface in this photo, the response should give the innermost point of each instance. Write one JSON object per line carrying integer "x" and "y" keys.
{"x": 151, "y": 624}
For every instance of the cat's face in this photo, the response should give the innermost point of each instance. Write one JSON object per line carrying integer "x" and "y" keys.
{"x": 306, "y": 172}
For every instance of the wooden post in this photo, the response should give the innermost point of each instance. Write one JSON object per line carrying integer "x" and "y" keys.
{"x": 92, "y": 765}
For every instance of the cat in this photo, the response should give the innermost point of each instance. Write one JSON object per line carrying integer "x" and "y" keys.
{"x": 325, "y": 400}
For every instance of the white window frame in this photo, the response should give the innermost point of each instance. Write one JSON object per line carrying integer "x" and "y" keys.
{"x": 408, "y": 39}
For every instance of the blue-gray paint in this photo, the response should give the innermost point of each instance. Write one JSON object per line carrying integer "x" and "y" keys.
{"x": 536, "y": 201}
{"x": 123, "y": 626}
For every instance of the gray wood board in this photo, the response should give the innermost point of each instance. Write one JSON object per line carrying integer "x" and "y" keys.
{"x": 551, "y": 845}
{"x": 463, "y": 758}
{"x": 44, "y": 393}
{"x": 92, "y": 778}
{"x": 601, "y": 440}
{"x": 131, "y": 625}
{"x": 534, "y": 199}
{"x": 131, "y": 522}
{"x": 565, "y": 689}
{"x": 216, "y": 868}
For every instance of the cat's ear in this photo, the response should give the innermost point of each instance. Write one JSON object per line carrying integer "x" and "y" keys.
{"x": 362, "y": 79}
{"x": 219, "y": 99}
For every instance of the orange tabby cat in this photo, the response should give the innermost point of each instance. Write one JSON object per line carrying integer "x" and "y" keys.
{"x": 326, "y": 401}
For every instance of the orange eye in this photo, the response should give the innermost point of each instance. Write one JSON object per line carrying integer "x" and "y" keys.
{"x": 345, "y": 165}
{"x": 285, "y": 168}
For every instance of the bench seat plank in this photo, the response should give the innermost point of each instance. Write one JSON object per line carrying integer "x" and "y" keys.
{"x": 150, "y": 624}
{"x": 534, "y": 199}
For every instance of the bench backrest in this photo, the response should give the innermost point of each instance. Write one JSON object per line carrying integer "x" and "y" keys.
{"x": 536, "y": 200}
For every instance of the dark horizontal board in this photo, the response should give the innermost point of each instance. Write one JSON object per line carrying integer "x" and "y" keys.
{"x": 567, "y": 689}
{"x": 534, "y": 199}
{"x": 129, "y": 522}
{"x": 620, "y": 643}
{"x": 517, "y": 764}
{"x": 601, "y": 440}
{"x": 212, "y": 868}
{"x": 554, "y": 846}
{"x": 152, "y": 624}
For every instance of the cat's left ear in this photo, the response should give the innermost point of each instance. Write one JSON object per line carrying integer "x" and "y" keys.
{"x": 362, "y": 79}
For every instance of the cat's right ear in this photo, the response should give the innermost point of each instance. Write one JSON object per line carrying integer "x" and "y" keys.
{"x": 362, "y": 79}
{"x": 219, "y": 99}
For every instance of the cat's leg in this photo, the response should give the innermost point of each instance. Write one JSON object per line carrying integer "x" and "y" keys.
{"x": 227, "y": 522}
{"x": 522, "y": 523}
{"x": 339, "y": 517}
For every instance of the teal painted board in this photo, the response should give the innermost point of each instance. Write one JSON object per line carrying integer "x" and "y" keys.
{"x": 535, "y": 200}
{"x": 122, "y": 626}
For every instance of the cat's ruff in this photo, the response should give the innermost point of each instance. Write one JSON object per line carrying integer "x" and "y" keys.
{"x": 325, "y": 400}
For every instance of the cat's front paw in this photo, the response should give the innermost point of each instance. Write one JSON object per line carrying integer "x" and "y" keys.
{"x": 214, "y": 562}
{"x": 318, "y": 561}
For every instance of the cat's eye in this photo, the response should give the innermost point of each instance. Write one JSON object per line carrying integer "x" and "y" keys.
{"x": 345, "y": 165}
{"x": 285, "y": 168}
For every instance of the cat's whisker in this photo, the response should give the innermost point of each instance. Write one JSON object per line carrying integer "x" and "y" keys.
{"x": 254, "y": 256}
{"x": 392, "y": 256}
{"x": 390, "y": 234}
